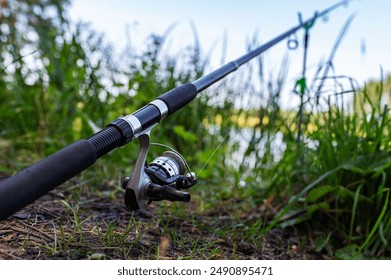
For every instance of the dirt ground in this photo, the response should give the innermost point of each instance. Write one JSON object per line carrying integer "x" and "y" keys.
{"x": 102, "y": 228}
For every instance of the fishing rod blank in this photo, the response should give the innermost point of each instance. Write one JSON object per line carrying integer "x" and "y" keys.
{"x": 33, "y": 182}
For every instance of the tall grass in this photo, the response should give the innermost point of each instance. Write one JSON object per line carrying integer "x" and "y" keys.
{"x": 332, "y": 169}
{"x": 341, "y": 184}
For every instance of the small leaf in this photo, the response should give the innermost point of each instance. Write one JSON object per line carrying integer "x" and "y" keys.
{"x": 315, "y": 207}
{"x": 300, "y": 86}
{"x": 317, "y": 193}
{"x": 349, "y": 252}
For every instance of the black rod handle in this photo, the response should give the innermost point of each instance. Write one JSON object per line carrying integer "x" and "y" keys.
{"x": 33, "y": 182}
{"x": 179, "y": 97}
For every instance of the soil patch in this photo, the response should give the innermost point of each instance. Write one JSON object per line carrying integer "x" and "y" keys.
{"x": 102, "y": 228}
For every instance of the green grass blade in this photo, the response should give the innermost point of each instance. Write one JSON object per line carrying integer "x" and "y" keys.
{"x": 356, "y": 199}
{"x": 377, "y": 224}
{"x": 295, "y": 198}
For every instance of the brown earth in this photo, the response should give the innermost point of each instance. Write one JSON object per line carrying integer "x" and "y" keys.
{"x": 102, "y": 228}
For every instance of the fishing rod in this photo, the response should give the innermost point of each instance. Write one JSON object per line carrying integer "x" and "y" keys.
{"x": 163, "y": 179}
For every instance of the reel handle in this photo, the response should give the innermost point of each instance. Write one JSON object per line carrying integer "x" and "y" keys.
{"x": 157, "y": 192}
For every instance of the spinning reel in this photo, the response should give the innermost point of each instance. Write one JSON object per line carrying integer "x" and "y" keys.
{"x": 162, "y": 179}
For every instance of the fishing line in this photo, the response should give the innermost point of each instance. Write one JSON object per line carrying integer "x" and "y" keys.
{"x": 184, "y": 160}
{"x": 215, "y": 150}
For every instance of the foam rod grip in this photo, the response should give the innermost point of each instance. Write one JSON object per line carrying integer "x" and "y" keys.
{"x": 33, "y": 182}
{"x": 179, "y": 97}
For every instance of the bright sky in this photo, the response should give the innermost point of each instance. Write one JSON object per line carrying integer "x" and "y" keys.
{"x": 366, "y": 47}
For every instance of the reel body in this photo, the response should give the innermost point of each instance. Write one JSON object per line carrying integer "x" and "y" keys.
{"x": 162, "y": 179}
